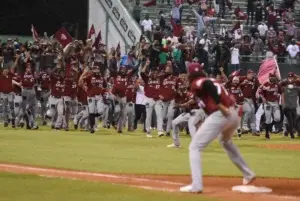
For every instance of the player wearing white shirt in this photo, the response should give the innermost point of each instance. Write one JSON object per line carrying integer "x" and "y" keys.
{"x": 140, "y": 109}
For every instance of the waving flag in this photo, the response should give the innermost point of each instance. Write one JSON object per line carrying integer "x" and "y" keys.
{"x": 91, "y": 32}
{"x": 63, "y": 37}
{"x": 35, "y": 35}
{"x": 268, "y": 66}
{"x": 98, "y": 40}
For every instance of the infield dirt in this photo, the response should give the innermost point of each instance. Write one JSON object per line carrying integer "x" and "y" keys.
{"x": 216, "y": 187}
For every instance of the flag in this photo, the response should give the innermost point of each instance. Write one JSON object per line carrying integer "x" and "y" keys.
{"x": 118, "y": 49}
{"x": 91, "y": 32}
{"x": 63, "y": 37}
{"x": 236, "y": 73}
{"x": 35, "y": 35}
{"x": 97, "y": 40}
{"x": 268, "y": 66}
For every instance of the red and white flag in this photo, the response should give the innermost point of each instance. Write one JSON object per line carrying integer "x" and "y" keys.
{"x": 92, "y": 32}
{"x": 268, "y": 66}
{"x": 35, "y": 35}
{"x": 63, "y": 37}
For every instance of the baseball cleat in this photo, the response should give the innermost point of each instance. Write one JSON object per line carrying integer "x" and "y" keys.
{"x": 247, "y": 181}
{"x": 189, "y": 189}
{"x": 160, "y": 134}
{"x": 173, "y": 146}
{"x": 149, "y": 136}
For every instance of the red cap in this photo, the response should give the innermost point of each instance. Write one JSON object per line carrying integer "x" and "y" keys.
{"x": 195, "y": 67}
{"x": 235, "y": 73}
{"x": 291, "y": 74}
{"x": 250, "y": 71}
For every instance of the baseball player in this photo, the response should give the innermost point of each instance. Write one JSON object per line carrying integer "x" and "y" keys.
{"x": 222, "y": 120}
{"x": 29, "y": 96}
{"x": 192, "y": 115}
{"x": 270, "y": 93}
{"x": 152, "y": 86}
{"x": 7, "y": 95}
{"x": 131, "y": 97}
{"x": 18, "y": 110}
{"x": 95, "y": 83}
{"x": 56, "y": 104}
{"x": 81, "y": 118}
{"x": 109, "y": 103}
{"x": 45, "y": 83}
{"x": 167, "y": 95}
{"x": 70, "y": 96}
{"x": 249, "y": 86}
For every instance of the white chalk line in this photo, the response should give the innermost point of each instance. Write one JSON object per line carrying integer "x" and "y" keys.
{"x": 99, "y": 175}
{"x": 86, "y": 174}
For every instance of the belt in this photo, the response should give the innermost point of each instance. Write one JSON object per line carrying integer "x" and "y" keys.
{"x": 58, "y": 97}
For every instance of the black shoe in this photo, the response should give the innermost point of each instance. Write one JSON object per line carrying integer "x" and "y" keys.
{"x": 52, "y": 127}
{"x": 22, "y": 125}
{"x": 75, "y": 126}
{"x": 168, "y": 135}
{"x": 6, "y": 124}
{"x": 120, "y": 132}
{"x": 13, "y": 123}
{"x": 286, "y": 134}
{"x": 28, "y": 127}
{"x": 108, "y": 126}
{"x": 44, "y": 123}
{"x": 67, "y": 129}
{"x": 92, "y": 131}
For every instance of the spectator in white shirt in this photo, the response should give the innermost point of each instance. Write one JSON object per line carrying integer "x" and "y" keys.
{"x": 205, "y": 42}
{"x": 262, "y": 28}
{"x": 235, "y": 58}
{"x": 140, "y": 109}
{"x": 147, "y": 27}
{"x": 293, "y": 50}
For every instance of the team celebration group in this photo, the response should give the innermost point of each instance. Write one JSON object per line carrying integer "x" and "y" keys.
{"x": 86, "y": 85}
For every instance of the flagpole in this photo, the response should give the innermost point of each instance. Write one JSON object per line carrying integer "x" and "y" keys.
{"x": 277, "y": 68}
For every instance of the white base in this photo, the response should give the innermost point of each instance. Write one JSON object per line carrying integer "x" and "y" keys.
{"x": 251, "y": 189}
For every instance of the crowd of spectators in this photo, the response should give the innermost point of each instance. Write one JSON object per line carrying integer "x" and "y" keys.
{"x": 256, "y": 31}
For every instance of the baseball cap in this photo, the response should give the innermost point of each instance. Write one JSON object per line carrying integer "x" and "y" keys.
{"x": 250, "y": 71}
{"x": 195, "y": 67}
{"x": 291, "y": 74}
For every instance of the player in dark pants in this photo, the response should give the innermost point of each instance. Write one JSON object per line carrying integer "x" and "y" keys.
{"x": 45, "y": 84}
{"x": 290, "y": 97}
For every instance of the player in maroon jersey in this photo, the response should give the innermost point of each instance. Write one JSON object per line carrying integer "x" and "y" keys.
{"x": 45, "y": 85}
{"x": 56, "y": 108}
{"x": 131, "y": 97}
{"x": 18, "y": 110}
{"x": 249, "y": 85}
{"x": 167, "y": 94}
{"x": 81, "y": 118}
{"x": 152, "y": 85}
{"x": 270, "y": 93}
{"x": 120, "y": 81}
{"x": 96, "y": 84}
{"x": 7, "y": 95}
{"x": 234, "y": 88}
{"x": 70, "y": 96}
{"x": 28, "y": 81}
{"x": 222, "y": 119}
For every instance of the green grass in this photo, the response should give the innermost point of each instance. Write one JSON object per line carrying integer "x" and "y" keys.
{"x": 134, "y": 153}
{"x": 34, "y": 188}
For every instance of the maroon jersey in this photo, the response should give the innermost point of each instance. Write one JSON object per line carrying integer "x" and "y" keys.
{"x": 95, "y": 85}
{"x": 17, "y": 89}
{"x": 70, "y": 88}
{"x": 131, "y": 91}
{"x": 249, "y": 87}
{"x": 182, "y": 97}
{"x": 120, "y": 85}
{"x": 6, "y": 83}
{"x": 168, "y": 88}
{"x": 28, "y": 80}
{"x": 45, "y": 80}
{"x": 57, "y": 86}
{"x": 270, "y": 91}
{"x": 204, "y": 98}
{"x": 82, "y": 95}
{"x": 152, "y": 86}
{"x": 237, "y": 93}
